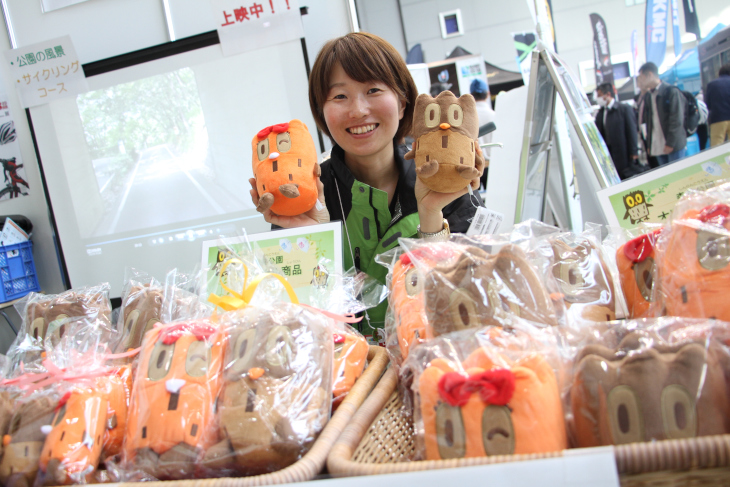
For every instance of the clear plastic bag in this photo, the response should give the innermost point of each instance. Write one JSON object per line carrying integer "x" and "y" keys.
{"x": 636, "y": 262}
{"x": 277, "y": 393}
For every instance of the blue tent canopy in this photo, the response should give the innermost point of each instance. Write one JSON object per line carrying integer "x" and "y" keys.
{"x": 685, "y": 73}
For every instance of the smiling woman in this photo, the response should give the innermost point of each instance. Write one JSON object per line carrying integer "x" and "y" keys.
{"x": 362, "y": 96}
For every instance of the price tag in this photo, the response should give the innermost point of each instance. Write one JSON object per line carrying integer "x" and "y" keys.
{"x": 485, "y": 222}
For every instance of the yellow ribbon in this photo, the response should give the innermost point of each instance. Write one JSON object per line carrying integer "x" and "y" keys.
{"x": 236, "y": 300}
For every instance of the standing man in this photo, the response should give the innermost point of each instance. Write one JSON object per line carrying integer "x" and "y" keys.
{"x": 480, "y": 92}
{"x": 616, "y": 122}
{"x": 661, "y": 117}
{"x": 717, "y": 99}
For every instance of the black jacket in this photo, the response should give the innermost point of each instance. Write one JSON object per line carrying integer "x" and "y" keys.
{"x": 717, "y": 99}
{"x": 670, "y": 106}
{"x": 620, "y": 134}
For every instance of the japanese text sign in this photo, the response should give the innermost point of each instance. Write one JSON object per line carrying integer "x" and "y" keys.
{"x": 247, "y": 25}
{"x": 46, "y": 71}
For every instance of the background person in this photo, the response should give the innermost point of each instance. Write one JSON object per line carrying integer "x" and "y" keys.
{"x": 362, "y": 96}
{"x": 616, "y": 122}
{"x": 661, "y": 117}
{"x": 480, "y": 92}
{"x": 717, "y": 99}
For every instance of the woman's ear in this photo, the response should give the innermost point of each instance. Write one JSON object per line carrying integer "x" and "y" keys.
{"x": 402, "y": 109}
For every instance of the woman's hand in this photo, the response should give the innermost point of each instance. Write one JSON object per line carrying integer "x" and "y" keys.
{"x": 430, "y": 203}
{"x": 311, "y": 217}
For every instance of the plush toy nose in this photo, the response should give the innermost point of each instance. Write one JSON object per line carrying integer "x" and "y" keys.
{"x": 255, "y": 372}
{"x": 273, "y": 155}
{"x": 445, "y": 126}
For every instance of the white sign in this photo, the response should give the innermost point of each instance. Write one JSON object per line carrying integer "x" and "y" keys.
{"x": 46, "y": 71}
{"x": 246, "y": 27}
{"x": 49, "y": 5}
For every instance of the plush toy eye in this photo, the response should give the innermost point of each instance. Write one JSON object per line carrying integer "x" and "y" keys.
{"x": 498, "y": 434}
{"x": 455, "y": 115}
{"x": 450, "y": 434}
{"x": 130, "y": 325}
{"x": 242, "y": 352}
{"x": 56, "y": 329}
{"x": 38, "y": 329}
{"x": 262, "y": 149}
{"x": 197, "y": 358}
{"x": 627, "y": 420}
{"x": 413, "y": 283}
{"x": 283, "y": 142}
{"x": 713, "y": 250}
{"x": 280, "y": 347}
{"x": 678, "y": 412}
{"x": 463, "y": 310}
{"x": 160, "y": 360}
{"x": 432, "y": 115}
{"x": 644, "y": 276}
{"x": 338, "y": 349}
{"x": 570, "y": 277}
{"x": 59, "y": 415}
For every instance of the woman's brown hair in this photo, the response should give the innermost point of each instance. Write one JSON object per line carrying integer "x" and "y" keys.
{"x": 364, "y": 57}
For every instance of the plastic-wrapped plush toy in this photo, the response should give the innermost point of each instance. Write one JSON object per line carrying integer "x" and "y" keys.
{"x": 447, "y": 153}
{"x": 584, "y": 279}
{"x": 646, "y": 389}
{"x": 637, "y": 268}
{"x": 24, "y": 440}
{"x": 277, "y": 393}
{"x": 487, "y": 403}
{"x": 694, "y": 264}
{"x": 472, "y": 288}
{"x": 286, "y": 169}
{"x": 140, "y": 311}
{"x": 171, "y": 420}
{"x": 351, "y": 353}
{"x": 88, "y": 426}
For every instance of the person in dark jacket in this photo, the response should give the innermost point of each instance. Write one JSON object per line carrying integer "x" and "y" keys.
{"x": 616, "y": 122}
{"x": 661, "y": 117}
{"x": 362, "y": 96}
{"x": 717, "y": 99}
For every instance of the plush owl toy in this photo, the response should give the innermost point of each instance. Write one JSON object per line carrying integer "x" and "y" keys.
{"x": 286, "y": 169}
{"x": 447, "y": 154}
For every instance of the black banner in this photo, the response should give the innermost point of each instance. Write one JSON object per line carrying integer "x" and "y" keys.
{"x": 691, "y": 24}
{"x": 601, "y": 52}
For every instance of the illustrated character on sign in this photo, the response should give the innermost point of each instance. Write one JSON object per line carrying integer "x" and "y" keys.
{"x": 637, "y": 209}
{"x": 447, "y": 154}
{"x": 320, "y": 277}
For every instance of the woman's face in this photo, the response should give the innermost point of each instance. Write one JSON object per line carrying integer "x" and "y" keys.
{"x": 362, "y": 117}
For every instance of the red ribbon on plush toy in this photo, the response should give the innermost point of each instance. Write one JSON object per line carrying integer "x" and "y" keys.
{"x": 716, "y": 214}
{"x": 494, "y": 386}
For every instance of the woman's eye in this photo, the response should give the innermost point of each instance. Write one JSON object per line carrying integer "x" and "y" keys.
{"x": 374, "y": 90}
{"x": 338, "y": 97}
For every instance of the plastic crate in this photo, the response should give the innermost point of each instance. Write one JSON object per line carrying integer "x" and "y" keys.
{"x": 17, "y": 271}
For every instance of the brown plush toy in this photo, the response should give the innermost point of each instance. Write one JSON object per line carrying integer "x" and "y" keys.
{"x": 93, "y": 305}
{"x": 584, "y": 280}
{"x": 141, "y": 309}
{"x": 276, "y": 397}
{"x": 24, "y": 442}
{"x": 650, "y": 393}
{"x": 446, "y": 150}
{"x": 477, "y": 289}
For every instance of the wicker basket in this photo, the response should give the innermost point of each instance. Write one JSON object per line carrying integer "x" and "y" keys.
{"x": 379, "y": 440}
{"x": 312, "y": 463}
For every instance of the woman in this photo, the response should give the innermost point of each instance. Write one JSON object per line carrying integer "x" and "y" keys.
{"x": 362, "y": 96}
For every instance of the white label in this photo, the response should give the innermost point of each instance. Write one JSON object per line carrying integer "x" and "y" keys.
{"x": 485, "y": 222}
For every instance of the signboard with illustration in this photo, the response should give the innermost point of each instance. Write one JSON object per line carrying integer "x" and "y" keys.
{"x": 309, "y": 257}
{"x": 650, "y": 197}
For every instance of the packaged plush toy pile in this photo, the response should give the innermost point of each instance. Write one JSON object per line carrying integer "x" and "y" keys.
{"x": 541, "y": 340}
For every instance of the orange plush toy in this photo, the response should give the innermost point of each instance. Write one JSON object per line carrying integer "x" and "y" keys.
{"x": 351, "y": 353}
{"x": 694, "y": 270}
{"x": 171, "y": 414}
{"x": 286, "y": 169}
{"x": 636, "y": 267}
{"x": 446, "y": 150}
{"x": 484, "y": 410}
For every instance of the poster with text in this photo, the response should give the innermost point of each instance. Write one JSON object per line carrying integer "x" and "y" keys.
{"x": 308, "y": 257}
{"x": 15, "y": 183}
{"x": 651, "y": 197}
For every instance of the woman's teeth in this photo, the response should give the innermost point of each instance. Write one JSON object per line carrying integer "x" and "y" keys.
{"x": 363, "y": 129}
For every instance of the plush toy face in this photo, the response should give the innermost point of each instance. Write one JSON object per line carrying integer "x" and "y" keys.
{"x": 71, "y": 304}
{"x": 487, "y": 411}
{"x": 21, "y": 454}
{"x": 584, "y": 281}
{"x": 636, "y": 267}
{"x": 445, "y": 129}
{"x": 351, "y": 352}
{"x": 286, "y": 169}
{"x": 455, "y": 290}
{"x": 141, "y": 311}
{"x": 695, "y": 269}
{"x": 651, "y": 394}
{"x": 176, "y": 384}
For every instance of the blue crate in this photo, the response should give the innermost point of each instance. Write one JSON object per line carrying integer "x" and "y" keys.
{"x": 17, "y": 271}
